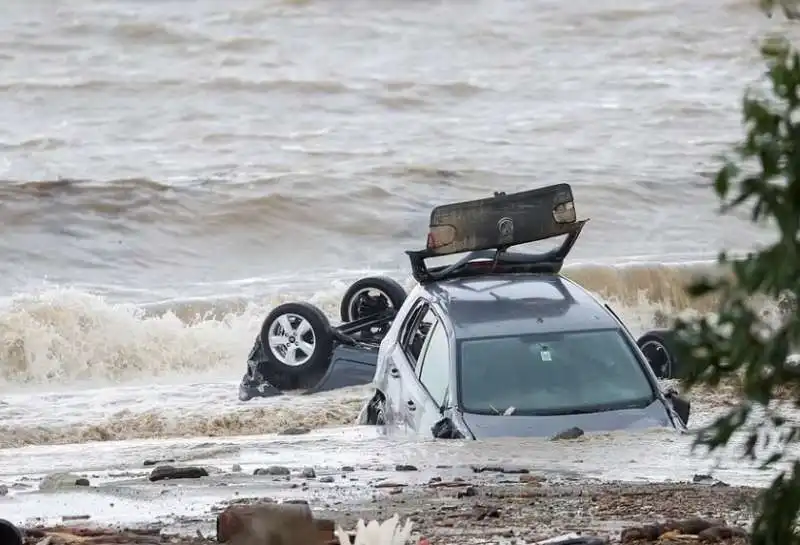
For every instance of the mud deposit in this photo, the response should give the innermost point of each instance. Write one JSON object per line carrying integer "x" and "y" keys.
{"x": 448, "y": 505}
{"x": 536, "y": 510}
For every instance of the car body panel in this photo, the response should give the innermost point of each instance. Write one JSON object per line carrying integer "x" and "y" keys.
{"x": 485, "y": 426}
{"x": 515, "y": 304}
{"x": 350, "y": 366}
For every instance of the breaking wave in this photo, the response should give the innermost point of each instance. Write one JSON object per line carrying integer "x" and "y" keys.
{"x": 293, "y": 414}
{"x": 75, "y": 367}
{"x": 62, "y": 335}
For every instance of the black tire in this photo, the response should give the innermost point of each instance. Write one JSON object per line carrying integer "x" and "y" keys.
{"x": 358, "y": 303}
{"x": 306, "y": 373}
{"x": 9, "y": 534}
{"x": 658, "y": 348}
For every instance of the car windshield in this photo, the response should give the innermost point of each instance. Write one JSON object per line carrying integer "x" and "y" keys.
{"x": 551, "y": 373}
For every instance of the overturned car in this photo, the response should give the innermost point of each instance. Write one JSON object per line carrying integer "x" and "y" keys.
{"x": 498, "y": 343}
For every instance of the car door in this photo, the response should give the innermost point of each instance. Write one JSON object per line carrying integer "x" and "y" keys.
{"x": 427, "y": 394}
{"x": 401, "y": 362}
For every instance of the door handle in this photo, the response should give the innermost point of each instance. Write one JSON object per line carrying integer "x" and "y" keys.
{"x": 411, "y": 405}
{"x": 394, "y": 372}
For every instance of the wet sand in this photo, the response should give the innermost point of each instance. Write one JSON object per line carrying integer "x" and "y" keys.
{"x": 454, "y": 492}
{"x": 536, "y": 510}
{"x": 466, "y": 504}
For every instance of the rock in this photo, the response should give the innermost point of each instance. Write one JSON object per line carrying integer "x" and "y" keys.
{"x": 573, "y": 538}
{"x": 308, "y": 473}
{"x": 326, "y": 479}
{"x": 389, "y": 484}
{"x": 3, "y": 490}
{"x": 486, "y": 469}
{"x": 348, "y": 469}
{"x": 641, "y": 533}
{"x": 499, "y": 469}
{"x": 571, "y": 433}
{"x": 161, "y": 473}
{"x": 486, "y": 512}
{"x": 515, "y": 470}
{"x": 272, "y": 470}
{"x": 58, "y": 481}
{"x": 294, "y": 431}
{"x": 236, "y": 468}
{"x": 720, "y": 533}
{"x": 705, "y": 530}
{"x": 691, "y": 526}
{"x": 155, "y": 462}
{"x": 468, "y": 492}
{"x": 405, "y": 467}
{"x": 68, "y": 518}
{"x": 700, "y": 478}
{"x": 272, "y": 524}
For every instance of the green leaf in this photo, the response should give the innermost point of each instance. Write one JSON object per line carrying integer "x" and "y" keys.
{"x": 761, "y": 177}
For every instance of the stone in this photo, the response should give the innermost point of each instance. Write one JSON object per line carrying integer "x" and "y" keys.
{"x": 308, "y": 473}
{"x": 405, "y": 467}
{"x": 294, "y": 431}
{"x": 3, "y": 490}
{"x": 161, "y": 473}
{"x": 272, "y": 470}
{"x": 272, "y": 524}
{"x": 389, "y": 484}
{"x": 148, "y": 463}
{"x": 571, "y": 433}
{"x": 58, "y": 481}
{"x": 468, "y": 492}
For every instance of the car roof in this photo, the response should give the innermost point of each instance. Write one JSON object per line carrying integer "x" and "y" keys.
{"x": 514, "y": 304}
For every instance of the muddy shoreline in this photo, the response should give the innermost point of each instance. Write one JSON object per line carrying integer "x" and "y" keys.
{"x": 485, "y": 505}
{"x": 535, "y": 511}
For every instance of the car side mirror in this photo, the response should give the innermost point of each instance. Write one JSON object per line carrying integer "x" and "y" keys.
{"x": 682, "y": 406}
{"x": 446, "y": 429}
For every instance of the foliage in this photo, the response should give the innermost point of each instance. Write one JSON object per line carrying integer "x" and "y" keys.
{"x": 789, "y": 7}
{"x": 762, "y": 176}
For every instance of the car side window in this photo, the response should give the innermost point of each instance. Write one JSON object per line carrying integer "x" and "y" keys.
{"x": 413, "y": 339}
{"x": 435, "y": 364}
{"x": 409, "y": 327}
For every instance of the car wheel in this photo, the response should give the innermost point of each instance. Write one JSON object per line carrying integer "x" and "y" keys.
{"x": 369, "y": 296}
{"x": 657, "y": 347}
{"x": 297, "y": 344}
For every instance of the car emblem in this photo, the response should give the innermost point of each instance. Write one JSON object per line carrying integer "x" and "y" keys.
{"x": 506, "y": 228}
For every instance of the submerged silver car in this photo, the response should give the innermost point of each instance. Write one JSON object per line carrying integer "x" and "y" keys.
{"x": 500, "y": 344}
{"x": 514, "y": 355}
